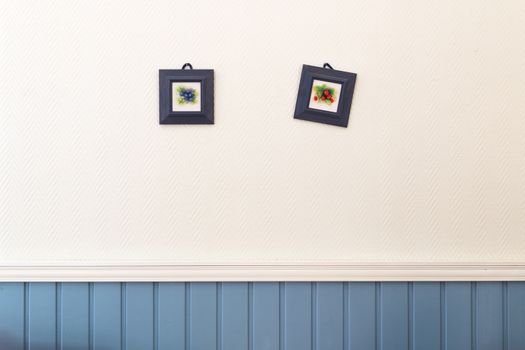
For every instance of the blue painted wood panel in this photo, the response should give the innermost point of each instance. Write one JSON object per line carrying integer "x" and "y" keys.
{"x": 106, "y": 315}
{"x": 393, "y": 314}
{"x": 73, "y": 316}
{"x": 362, "y": 315}
{"x": 425, "y": 327}
{"x": 263, "y": 316}
{"x": 171, "y": 316}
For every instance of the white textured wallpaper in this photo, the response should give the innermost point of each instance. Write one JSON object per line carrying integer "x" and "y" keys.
{"x": 431, "y": 167}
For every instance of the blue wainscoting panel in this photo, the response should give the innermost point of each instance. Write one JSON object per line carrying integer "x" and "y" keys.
{"x": 393, "y": 313}
{"x": 12, "y": 315}
{"x": 489, "y": 316}
{"x": 202, "y": 316}
{"x": 73, "y": 316}
{"x": 263, "y": 316}
{"x": 514, "y": 310}
{"x": 106, "y": 313}
{"x": 298, "y": 305}
{"x": 362, "y": 316}
{"x": 41, "y": 316}
{"x": 138, "y": 316}
{"x": 459, "y": 315}
{"x": 329, "y": 316}
{"x": 234, "y": 315}
{"x": 171, "y": 316}
{"x": 425, "y": 328}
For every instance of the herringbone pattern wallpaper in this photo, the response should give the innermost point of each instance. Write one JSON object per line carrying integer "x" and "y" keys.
{"x": 431, "y": 167}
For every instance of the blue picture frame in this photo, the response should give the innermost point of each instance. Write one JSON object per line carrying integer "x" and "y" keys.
{"x": 169, "y": 78}
{"x": 344, "y": 82}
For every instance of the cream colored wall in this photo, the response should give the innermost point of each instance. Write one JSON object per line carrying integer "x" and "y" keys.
{"x": 431, "y": 167}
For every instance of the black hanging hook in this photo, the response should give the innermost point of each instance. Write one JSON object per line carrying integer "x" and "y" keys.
{"x": 327, "y": 65}
{"x": 187, "y": 65}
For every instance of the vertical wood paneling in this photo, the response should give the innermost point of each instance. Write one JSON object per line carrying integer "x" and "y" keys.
{"x": 234, "y": 316}
{"x": 139, "y": 316}
{"x": 74, "y": 316}
{"x": 458, "y": 316}
{"x": 265, "y": 316}
{"x": 12, "y": 316}
{"x": 329, "y": 316}
{"x": 394, "y": 316}
{"x": 489, "y": 316}
{"x": 515, "y": 310}
{"x": 171, "y": 316}
{"x": 203, "y": 316}
{"x": 362, "y": 316}
{"x": 41, "y": 316}
{"x": 297, "y": 316}
{"x": 426, "y": 316}
{"x": 106, "y": 316}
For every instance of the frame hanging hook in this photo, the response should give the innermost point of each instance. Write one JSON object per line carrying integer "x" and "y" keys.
{"x": 187, "y": 65}
{"x": 327, "y": 65}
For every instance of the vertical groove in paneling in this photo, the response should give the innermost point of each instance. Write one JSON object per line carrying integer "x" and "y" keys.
{"x": 26, "y": 316}
{"x": 442, "y": 316}
{"x": 58, "y": 315}
{"x": 410, "y": 316}
{"x": 378, "y": 325}
{"x": 505, "y": 307}
{"x": 250, "y": 316}
{"x": 123, "y": 343}
{"x": 346, "y": 311}
{"x": 155, "y": 316}
{"x": 187, "y": 302}
{"x": 282, "y": 316}
{"x": 313, "y": 305}
{"x": 218, "y": 315}
{"x": 90, "y": 314}
{"x": 473, "y": 306}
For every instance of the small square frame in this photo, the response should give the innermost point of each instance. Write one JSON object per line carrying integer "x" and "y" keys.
{"x": 311, "y": 73}
{"x": 169, "y": 76}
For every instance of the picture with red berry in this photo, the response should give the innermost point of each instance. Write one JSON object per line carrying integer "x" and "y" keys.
{"x": 325, "y": 95}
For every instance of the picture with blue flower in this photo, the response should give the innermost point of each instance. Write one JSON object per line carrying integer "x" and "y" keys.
{"x": 186, "y": 97}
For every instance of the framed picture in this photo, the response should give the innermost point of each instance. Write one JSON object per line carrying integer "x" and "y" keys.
{"x": 325, "y": 95}
{"x": 186, "y": 96}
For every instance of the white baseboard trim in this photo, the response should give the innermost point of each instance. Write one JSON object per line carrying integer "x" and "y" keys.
{"x": 194, "y": 272}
